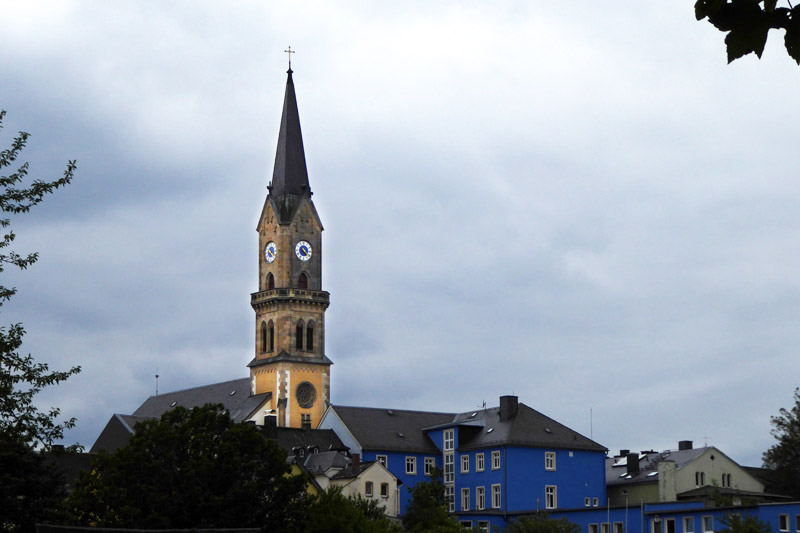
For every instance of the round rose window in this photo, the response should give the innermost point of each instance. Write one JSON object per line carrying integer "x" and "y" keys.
{"x": 306, "y": 394}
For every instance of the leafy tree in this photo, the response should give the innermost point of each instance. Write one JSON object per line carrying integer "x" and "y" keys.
{"x": 542, "y": 523}
{"x": 748, "y": 23}
{"x": 427, "y": 509}
{"x": 735, "y": 523}
{"x": 191, "y": 469}
{"x": 29, "y": 489}
{"x": 784, "y": 457}
{"x": 332, "y": 512}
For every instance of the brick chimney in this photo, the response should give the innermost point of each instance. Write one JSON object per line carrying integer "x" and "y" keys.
{"x": 355, "y": 461}
{"x": 633, "y": 463}
{"x": 685, "y": 445}
{"x": 509, "y": 405}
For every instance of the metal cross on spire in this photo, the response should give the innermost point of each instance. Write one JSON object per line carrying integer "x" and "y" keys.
{"x": 290, "y": 52}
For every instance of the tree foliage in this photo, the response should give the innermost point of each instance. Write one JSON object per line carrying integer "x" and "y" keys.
{"x": 736, "y": 523}
{"x": 28, "y": 487}
{"x": 332, "y": 512}
{"x": 191, "y": 469}
{"x": 784, "y": 456}
{"x": 542, "y": 523}
{"x": 748, "y": 22}
{"x": 427, "y": 509}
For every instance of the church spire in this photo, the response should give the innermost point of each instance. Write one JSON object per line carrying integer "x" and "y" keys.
{"x": 290, "y": 176}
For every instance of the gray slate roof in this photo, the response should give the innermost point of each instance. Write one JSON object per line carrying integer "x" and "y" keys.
{"x": 648, "y": 464}
{"x": 234, "y": 395}
{"x": 319, "y": 463}
{"x": 117, "y": 432}
{"x": 292, "y": 438}
{"x": 483, "y": 428}
{"x": 381, "y": 429}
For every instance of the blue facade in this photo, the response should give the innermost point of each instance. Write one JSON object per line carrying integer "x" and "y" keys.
{"x": 396, "y": 464}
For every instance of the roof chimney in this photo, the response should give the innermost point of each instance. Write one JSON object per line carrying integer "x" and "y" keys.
{"x": 509, "y": 405}
{"x": 623, "y": 453}
{"x": 685, "y": 445}
{"x": 633, "y": 463}
{"x": 355, "y": 459}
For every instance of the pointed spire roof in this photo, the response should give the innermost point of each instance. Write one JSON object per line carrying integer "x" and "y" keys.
{"x": 290, "y": 176}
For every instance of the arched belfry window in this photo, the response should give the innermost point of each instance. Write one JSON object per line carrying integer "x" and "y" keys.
{"x": 298, "y": 340}
{"x": 270, "y": 336}
{"x": 302, "y": 281}
{"x": 264, "y": 337}
{"x": 310, "y": 336}
{"x": 270, "y": 281}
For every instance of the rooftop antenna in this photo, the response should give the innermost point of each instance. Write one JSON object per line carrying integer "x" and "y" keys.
{"x": 591, "y": 424}
{"x": 290, "y": 52}
{"x": 156, "y": 381}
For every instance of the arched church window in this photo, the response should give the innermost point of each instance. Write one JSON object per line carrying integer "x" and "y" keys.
{"x": 270, "y": 336}
{"x": 302, "y": 281}
{"x": 310, "y": 336}
{"x": 298, "y": 335}
{"x": 270, "y": 281}
{"x": 263, "y": 337}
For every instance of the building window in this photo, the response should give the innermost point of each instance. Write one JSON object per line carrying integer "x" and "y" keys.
{"x": 449, "y": 435}
{"x": 595, "y": 502}
{"x": 298, "y": 335}
{"x": 619, "y": 527}
{"x": 466, "y": 525}
{"x": 688, "y": 524}
{"x": 587, "y": 502}
{"x": 797, "y": 523}
{"x": 496, "y": 496}
{"x": 483, "y": 526}
{"x": 479, "y": 462}
{"x": 465, "y": 499}
{"x": 382, "y": 459}
{"x": 270, "y": 336}
{"x": 310, "y": 336}
{"x": 495, "y": 460}
{"x": 549, "y": 460}
{"x": 449, "y": 497}
{"x": 480, "y": 498}
{"x": 430, "y": 464}
{"x": 368, "y": 489}
{"x": 449, "y": 470}
{"x": 655, "y": 525}
{"x": 783, "y": 522}
{"x": 550, "y": 500}
{"x": 411, "y": 466}
{"x": 465, "y": 464}
{"x": 699, "y": 479}
{"x": 305, "y": 421}
{"x": 270, "y": 281}
{"x": 669, "y": 525}
{"x": 263, "y": 337}
{"x": 594, "y": 528}
{"x": 302, "y": 281}
{"x": 605, "y": 527}
{"x": 384, "y": 490}
{"x": 708, "y": 524}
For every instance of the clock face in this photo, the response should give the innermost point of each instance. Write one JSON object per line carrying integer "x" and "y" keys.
{"x": 303, "y": 251}
{"x": 270, "y": 251}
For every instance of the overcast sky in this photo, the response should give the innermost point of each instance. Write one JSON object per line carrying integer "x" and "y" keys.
{"x": 578, "y": 203}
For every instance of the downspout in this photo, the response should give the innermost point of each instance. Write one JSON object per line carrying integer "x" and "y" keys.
{"x": 505, "y": 484}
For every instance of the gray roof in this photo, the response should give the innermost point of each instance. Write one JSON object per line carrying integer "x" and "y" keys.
{"x": 648, "y": 465}
{"x": 391, "y": 429}
{"x": 286, "y": 356}
{"x": 117, "y": 432}
{"x": 234, "y": 395}
{"x": 292, "y": 438}
{"x": 528, "y": 427}
{"x": 319, "y": 463}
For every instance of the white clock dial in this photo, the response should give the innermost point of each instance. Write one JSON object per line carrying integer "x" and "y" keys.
{"x": 303, "y": 251}
{"x": 270, "y": 251}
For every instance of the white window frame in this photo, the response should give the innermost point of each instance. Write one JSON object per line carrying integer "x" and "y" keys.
{"x": 497, "y": 493}
{"x": 594, "y": 528}
{"x": 551, "y": 497}
{"x": 465, "y": 524}
{"x": 483, "y": 526}
{"x": 368, "y": 489}
{"x": 448, "y": 437}
{"x": 783, "y": 522}
{"x": 595, "y": 502}
{"x": 479, "y": 462}
{"x": 618, "y": 527}
{"x": 587, "y": 502}
{"x": 605, "y": 527}
{"x": 797, "y": 522}
{"x": 709, "y": 517}
{"x": 384, "y": 493}
{"x": 496, "y": 460}
{"x": 383, "y": 459}
{"x": 411, "y": 466}
{"x": 449, "y": 468}
{"x": 465, "y": 464}
{"x": 667, "y": 522}
{"x": 480, "y": 498}
{"x": 450, "y": 498}
{"x": 688, "y": 521}
{"x": 430, "y": 464}
{"x": 465, "y": 499}
{"x": 550, "y": 461}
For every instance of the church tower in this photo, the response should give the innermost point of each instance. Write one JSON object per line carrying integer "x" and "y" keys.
{"x": 290, "y": 361}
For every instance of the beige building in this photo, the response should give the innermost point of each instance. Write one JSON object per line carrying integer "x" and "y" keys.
{"x": 684, "y": 474}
